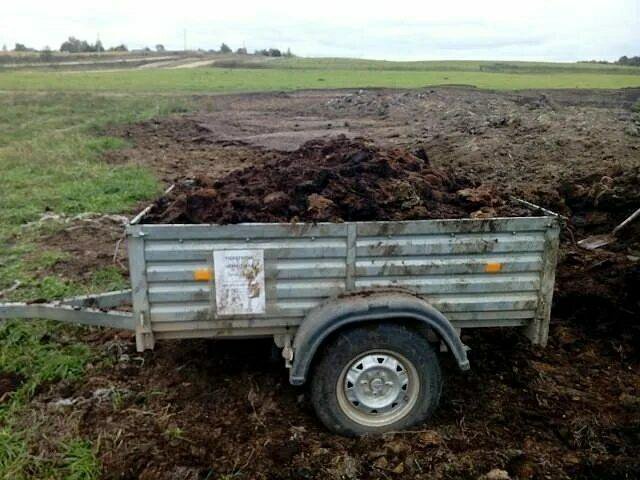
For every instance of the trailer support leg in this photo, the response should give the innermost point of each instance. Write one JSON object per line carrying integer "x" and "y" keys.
{"x": 532, "y": 331}
{"x": 144, "y": 335}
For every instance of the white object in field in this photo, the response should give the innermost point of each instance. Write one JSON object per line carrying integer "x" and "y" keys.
{"x": 239, "y": 281}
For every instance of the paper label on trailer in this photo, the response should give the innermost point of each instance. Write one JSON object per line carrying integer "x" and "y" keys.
{"x": 239, "y": 282}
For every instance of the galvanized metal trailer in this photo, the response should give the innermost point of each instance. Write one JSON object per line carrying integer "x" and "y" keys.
{"x": 356, "y": 306}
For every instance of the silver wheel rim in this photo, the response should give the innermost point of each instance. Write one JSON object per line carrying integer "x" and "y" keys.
{"x": 378, "y": 388}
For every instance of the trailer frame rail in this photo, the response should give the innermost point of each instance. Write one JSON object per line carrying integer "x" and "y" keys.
{"x": 91, "y": 310}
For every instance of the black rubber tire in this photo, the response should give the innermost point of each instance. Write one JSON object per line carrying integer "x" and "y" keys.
{"x": 348, "y": 345}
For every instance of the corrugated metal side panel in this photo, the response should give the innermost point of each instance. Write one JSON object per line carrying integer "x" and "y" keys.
{"x": 303, "y": 266}
{"x": 425, "y": 244}
{"x": 449, "y": 269}
{"x": 193, "y": 250}
{"x": 444, "y": 261}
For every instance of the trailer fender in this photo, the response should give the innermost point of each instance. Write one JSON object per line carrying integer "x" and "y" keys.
{"x": 365, "y": 307}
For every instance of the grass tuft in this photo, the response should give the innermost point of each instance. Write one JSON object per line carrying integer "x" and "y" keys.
{"x": 108, "y": 278}
{"x": 81, "y": 461}
{"x": 39, "y": 352}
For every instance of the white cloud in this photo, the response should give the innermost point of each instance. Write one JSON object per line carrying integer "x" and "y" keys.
{"x": 405, "y": 29}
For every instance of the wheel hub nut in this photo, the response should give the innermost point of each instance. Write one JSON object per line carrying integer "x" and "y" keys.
{"x": 377, "y": 385}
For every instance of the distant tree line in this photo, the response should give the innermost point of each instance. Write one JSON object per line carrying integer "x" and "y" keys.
{"x": 75, "y": 45}
{"x": 266, "y": 52}
{"x": 623, "y": 60}
{"x": 21, "y": 47}
{"x": 274, "y": 52}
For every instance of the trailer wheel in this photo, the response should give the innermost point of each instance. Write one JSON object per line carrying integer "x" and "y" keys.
{"x": 376, "y": 379}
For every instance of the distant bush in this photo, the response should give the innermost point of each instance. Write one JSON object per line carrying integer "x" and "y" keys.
{"x": 20, "y": 47}
{"x": 74, "y": 45}
{"x": 272, "y": 52}
{"x": 119, "y": 48}
{"x": 160, "y": 48}
{"x": 633, "y": 61}
{"x": 241, "y": 51}
{"x": 224, "y": 48}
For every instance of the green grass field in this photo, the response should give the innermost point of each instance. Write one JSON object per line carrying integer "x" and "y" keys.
{"x": 251, "y": 74}
{"x": 426, "y": 66}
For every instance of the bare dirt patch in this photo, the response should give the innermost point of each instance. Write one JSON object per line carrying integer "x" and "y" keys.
{"x": 179, "y": 147}
{"x": 9, "y": 383}
{"x": 88, "y": 242}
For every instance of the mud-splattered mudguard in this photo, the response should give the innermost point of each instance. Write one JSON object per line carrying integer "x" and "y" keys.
{"x": 367, "y": 306}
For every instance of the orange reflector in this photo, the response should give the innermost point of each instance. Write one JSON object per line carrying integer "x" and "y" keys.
{"x": 493, "y": 267}
{"x": 202, "y": 275}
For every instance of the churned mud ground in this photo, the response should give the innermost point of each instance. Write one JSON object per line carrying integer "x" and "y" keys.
{"x": 207, "y": 409}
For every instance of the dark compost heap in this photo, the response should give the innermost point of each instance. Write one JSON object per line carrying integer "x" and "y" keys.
{"x": 331, "y": 181}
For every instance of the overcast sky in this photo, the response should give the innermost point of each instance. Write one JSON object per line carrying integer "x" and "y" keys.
{"x": 554, "y": 30}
